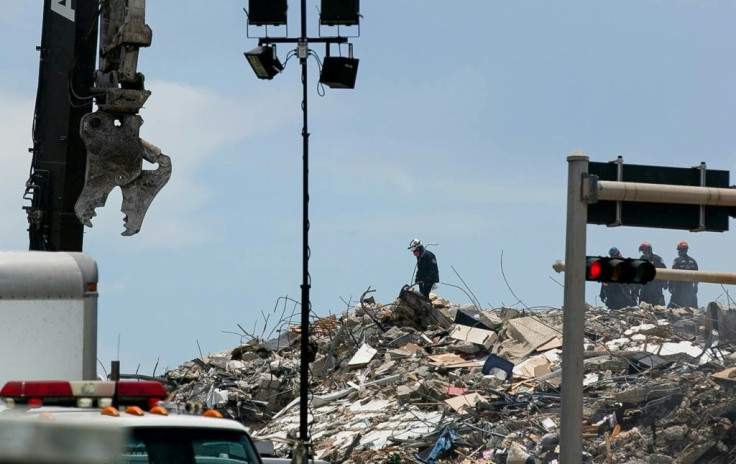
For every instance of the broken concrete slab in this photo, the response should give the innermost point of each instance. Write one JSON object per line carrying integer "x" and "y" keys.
{"x": 464, "y": 403}
{"x": 363, "y": 356}
{"x": 533, "y": 367}
{"x": 451, "y": 361}
{"x": 484, "y": 338}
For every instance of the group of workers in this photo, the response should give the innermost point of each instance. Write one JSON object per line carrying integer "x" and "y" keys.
{"x": 615, "y": 295}
{"x": 683, "y": 294}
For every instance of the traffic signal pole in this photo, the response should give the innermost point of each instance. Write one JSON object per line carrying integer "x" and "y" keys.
{"x": 573, "y": 327}
{"x": 583, "y": 189}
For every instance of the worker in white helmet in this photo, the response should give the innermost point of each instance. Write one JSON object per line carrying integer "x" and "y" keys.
{"x": 427, "y": 272}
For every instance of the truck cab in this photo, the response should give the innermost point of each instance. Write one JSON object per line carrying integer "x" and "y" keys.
{"x": 116, "y": 422}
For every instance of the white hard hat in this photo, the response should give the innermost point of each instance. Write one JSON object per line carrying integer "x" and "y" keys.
{"x": 414, "y": 244}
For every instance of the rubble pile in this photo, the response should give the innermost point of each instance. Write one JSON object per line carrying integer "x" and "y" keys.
{"x": 419, "y": 381}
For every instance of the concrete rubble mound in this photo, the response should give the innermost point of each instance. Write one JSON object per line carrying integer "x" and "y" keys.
{"x": 434, "y": 382}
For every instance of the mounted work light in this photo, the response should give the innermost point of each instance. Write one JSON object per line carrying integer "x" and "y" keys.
{"x": 339, "y": 72}
{"x": 267, "y": 12}
{"x": 339, "y": 13}
{"x": 264, "y": 62}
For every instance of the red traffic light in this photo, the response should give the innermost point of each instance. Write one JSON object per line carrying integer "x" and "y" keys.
{"x": 595, "y": 270}
{"x": 621, "y": 270}
{"x": 602, "y": 269}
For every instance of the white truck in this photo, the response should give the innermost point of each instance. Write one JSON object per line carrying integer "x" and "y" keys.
{"x": 48, "y": 330}
{"x": 47, "y": 422}
{"x": 48, "y": 316}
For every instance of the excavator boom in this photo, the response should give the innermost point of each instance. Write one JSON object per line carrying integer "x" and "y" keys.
{"x": 79, "y": 155}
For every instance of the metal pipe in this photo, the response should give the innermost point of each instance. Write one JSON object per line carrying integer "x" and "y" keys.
{"x": 701, "y": 212}
{"x": 619, "y": 178}
{"x": 681, "y": 275}
{"x": 306, "y": 305}
{"x": 665, "y": 193}
{"x": 115, "y": 376}
{"x": 573, "y": 329}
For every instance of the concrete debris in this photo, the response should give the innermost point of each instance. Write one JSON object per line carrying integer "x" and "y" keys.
{"x": 430, "y": 381}
{"x": 363, "y": 356}
{"x": 484, "y": 338}
{"x": 465, "y": 402}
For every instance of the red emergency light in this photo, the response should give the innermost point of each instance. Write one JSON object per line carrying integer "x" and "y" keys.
{"x": 72, "y": 393}
{"x": 36, "y": 388}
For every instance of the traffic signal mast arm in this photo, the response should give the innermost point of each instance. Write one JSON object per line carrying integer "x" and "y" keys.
{"x": 656, "y": 193}
{"x": 680, "y": 275}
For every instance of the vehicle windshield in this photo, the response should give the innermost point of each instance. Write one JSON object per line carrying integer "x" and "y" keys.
{"x": 170, "y": 445}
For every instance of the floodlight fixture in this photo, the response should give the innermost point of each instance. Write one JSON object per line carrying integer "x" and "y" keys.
{"x": 267, "y": 12}
{"x": 264, "y": 61}
{"x": 339, "y": 72}
{"x": 339, "y": 13}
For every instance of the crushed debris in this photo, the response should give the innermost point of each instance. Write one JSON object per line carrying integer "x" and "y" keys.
{"x": 434, "y": 382}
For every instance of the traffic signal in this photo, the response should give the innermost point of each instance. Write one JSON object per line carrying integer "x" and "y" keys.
{"x": 621, "y": 270}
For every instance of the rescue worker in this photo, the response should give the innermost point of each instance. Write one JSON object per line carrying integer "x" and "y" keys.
{"x": 652, "y": 292}
{"x": 684, "y": 294}
{"x": 427, "y": 272}
{"x": 616, "y": 295}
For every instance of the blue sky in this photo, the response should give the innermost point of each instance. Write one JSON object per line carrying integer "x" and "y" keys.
{"x": 457, "y": 133}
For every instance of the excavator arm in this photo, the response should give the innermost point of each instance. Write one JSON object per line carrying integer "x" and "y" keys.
{"x": 115, "y": 151}
{"x": 80, "y": 155}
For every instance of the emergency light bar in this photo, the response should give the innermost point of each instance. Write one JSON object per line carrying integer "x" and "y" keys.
{"x": 82, "y": 393}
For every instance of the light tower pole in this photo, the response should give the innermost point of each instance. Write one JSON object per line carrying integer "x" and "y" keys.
{"x": 336, "y": 72}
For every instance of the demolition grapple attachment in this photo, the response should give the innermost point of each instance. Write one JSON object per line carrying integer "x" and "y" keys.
{"x": 115, "y": 151}
{"x": 115, "y": 155}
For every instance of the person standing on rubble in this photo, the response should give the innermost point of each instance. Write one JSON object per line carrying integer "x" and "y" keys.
{"x": 427, "y": 272}
{"x": 614, "y": 294}
{"x": 684, "y": 294}
{"x": 652, "y": 292}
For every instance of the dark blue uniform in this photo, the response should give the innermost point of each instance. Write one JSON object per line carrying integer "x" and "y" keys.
{"x": 684, "y": 294}
{"x": 652, "y": 292}
{"x": 427, "y": 272}
{"x": 616, "y": 295}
